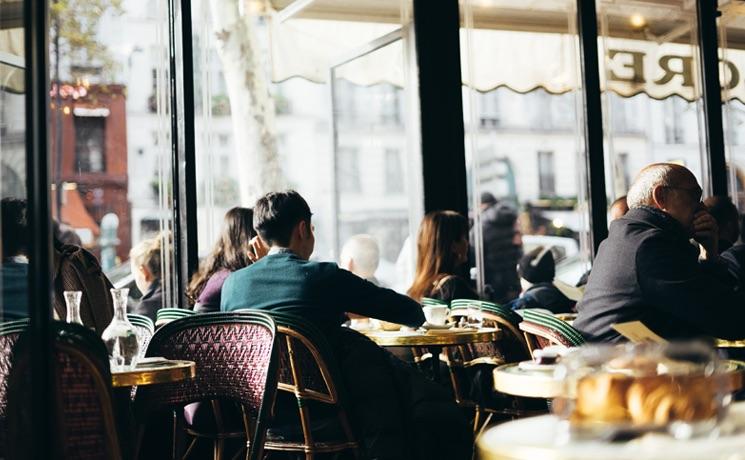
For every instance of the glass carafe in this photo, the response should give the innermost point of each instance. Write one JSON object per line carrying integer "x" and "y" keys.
{"x": 72, "y": 301}
{"x": 120, "y": 336}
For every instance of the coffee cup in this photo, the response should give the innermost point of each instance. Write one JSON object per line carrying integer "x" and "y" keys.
{"x": 436, "y": 314}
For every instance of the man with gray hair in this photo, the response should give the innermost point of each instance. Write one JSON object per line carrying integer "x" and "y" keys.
{"x": 361, "y": 256}
{"x": 647, "y": 269}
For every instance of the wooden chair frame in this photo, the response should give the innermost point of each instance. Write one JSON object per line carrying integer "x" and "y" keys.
{"x": 309, "y": 446}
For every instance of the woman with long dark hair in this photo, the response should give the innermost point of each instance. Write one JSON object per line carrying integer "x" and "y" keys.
{"x": 442, "y": 250}
{"x": 237, "y": 248}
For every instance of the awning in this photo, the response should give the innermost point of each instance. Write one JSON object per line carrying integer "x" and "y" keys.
{"x": 520, "y": 61}
{"x": 518, "y": 44}
{"x": 12, "y": 60}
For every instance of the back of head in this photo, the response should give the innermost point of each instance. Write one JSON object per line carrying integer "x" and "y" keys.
{"x": 537, "y": 266}
{"x": 147, "y": 253}
{"x": 277, "y": 213}
{"x": 237, "y": 232}
{"x": 437, "y": 234}
{"x": 488, "y": 199}
{"x": 641, "y": 192}
{"x": 364, "y": 252}
{"x": 14, "y": 227}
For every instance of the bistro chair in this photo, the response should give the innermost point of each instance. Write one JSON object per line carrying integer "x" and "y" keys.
{"x": 144, "y": 329}
{"x": 9, "y": 333}
{"x": 433, "y": 302}
{"x": 309, "y": 371}
{"x": 83, "y": 414}
{"x": 166, "y": 315}
{"x": 235, "y": 357}
{"x": 472, "y": 364}
{"x": 542, "y": 329}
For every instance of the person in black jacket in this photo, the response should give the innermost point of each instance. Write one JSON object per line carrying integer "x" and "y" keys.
{"x": 502, "y": 248}
{"x": 537, "y": 270}
{"x": 648, "y": 271}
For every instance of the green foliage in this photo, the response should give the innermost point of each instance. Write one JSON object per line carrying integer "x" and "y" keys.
{"x": 74, "y": 24}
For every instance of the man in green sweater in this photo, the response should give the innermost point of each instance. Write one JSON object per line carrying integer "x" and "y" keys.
{"x": 397, "y": 413}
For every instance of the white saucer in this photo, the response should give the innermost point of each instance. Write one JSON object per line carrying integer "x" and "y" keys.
{"x": 534, "y": 366}
{"x": 429, "y": 326}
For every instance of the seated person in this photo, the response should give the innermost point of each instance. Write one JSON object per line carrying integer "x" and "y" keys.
{"x": 14, "y": 259}
{"x": 361, "y": 256}
{"x": 396, "y": 412}
{"x": 618, "y": 209}
{"x": 725, "y": 213}
{"x": 75, "y": 269}
{"x": 648, "y": 271}
{"x": 537, "y": 270}
{"x": 233, "y": 251}
{"x": 442, "y": 252}
{"x": 145, "y": 260}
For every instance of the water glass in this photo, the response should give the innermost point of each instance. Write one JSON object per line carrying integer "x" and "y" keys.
{"x": 475, "y": 315}
{"x": 72, "y": 301}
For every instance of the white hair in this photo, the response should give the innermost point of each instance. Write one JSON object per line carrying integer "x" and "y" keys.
{"x": 364, "y": 252}
{"x": 641, "y": 192}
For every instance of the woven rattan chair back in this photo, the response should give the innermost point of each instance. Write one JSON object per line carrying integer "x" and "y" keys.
{"x": 9, "y": 333}
{"x": 144, "y": 329}
{"x": 85, "y": 425}
{"x": 235, "y": 357}
{"x": 308, "y": 369}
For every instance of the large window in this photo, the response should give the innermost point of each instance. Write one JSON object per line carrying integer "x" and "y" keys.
{"x": 314, "y": 99}
{"x": 652, "y": 95}
{"x": 110, "y": 142}
{"x": 523, "y": 138}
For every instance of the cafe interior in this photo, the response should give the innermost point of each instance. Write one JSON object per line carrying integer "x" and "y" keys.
{"x": 524, "y": 242}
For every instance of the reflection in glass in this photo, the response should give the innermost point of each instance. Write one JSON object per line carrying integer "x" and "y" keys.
{"x": 652, "y": 94}
{"x": 275, "y": 129}
{"x": 524, "y": 146}
{"x": 110, "y": 133}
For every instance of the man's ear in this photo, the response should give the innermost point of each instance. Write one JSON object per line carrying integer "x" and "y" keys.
{"x": 659, "y": 197}
{"x": 304, "y": 229}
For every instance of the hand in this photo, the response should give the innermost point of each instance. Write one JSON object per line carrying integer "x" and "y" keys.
{"x": 258, "y": 249}
{"x": 706, "y": 233}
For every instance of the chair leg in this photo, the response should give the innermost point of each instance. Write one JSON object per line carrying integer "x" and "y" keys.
{"x": 219, "y": 446}
{"x": 189, "y": 449}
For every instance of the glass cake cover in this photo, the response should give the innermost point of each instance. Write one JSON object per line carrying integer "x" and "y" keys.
{"x": 612, "y": 392}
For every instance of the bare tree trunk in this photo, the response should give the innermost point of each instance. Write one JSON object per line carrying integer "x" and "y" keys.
{"x": 251, "y": 107}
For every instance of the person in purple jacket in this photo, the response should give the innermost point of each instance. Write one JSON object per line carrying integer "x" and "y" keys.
{"x": 237, "y": 248}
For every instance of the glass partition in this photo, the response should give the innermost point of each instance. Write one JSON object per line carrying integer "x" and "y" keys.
{"x": 266, "y": 76}
{"x": 110, "y": 141}
{"x": 651, "y": 85}
{"x": 13, "y": 233}
{"x": 524, "y": 141}
{"x": 732, "y": 69}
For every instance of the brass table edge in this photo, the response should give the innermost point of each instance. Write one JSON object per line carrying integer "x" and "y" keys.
{"x": 183, "y": 371}
{"x": 425, "y": 340}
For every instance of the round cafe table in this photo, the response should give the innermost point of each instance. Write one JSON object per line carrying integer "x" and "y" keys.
{"x": 513, "y": 380}
{"x": 540, "y": 438}
{"x": 166, "y": 371}
{"x": 433, "y": 340}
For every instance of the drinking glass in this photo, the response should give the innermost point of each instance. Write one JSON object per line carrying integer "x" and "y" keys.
{"x": 475, "y": 314}
{"x": 72, "y": 301}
